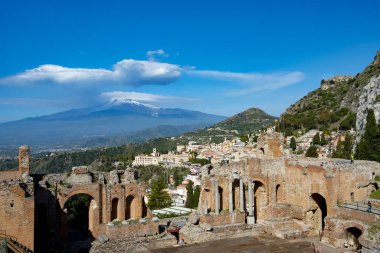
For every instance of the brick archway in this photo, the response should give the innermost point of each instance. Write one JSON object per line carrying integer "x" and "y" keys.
{"x": 69, "y": 192}
{"x": 79, "y": 217}
{"x": 317, "y": 212}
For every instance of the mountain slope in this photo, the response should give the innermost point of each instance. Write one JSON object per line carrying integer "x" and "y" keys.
{"x": 74, "y": 128}
{"x": 248, "y": 121}
{"x": 337, "y": 103}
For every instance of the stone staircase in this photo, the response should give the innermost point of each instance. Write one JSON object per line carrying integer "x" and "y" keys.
{"x": 10, "y": 242}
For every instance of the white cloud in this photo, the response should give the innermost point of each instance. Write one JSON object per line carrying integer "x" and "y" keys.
{"x": 125, "y": 72}
{"x": 120, "y": 96}
{"x": 251, "y": 82}
{"x": 152, "y": 54}
{"x": 131, "y": 72}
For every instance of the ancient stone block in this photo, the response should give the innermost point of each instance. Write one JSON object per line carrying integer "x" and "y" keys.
{"x": 193, "y": 218}
{"x": 79, "y": 179}
{"x": 206, "y": 227}
{"x": 80, "y": 170}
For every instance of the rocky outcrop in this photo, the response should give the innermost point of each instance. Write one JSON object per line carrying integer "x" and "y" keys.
{"x": 330, "y": 83}
{"x": 368, "y": 99}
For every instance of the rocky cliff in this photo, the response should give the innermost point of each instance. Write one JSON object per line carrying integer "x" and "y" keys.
{"x": 368, "y": 99}
{"x": 341, "y": 102}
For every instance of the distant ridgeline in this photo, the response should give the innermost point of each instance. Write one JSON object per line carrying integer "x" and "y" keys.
{"x": 247, "y": 122}
{"x": 340, "y": 103}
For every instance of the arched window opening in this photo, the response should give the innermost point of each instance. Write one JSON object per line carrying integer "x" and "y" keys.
{"x": 79, "y": 218}
{"x": 114, "y": 208}
{"x": 129, "y": 208}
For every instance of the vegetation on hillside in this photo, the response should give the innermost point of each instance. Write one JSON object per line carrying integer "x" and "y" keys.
{"x": 102, "y": 159}
{"x": 332, "y": 108}
{"x": 247, "y": 122}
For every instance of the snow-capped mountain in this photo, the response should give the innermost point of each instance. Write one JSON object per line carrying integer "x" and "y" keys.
{"x": 76, "y": 126}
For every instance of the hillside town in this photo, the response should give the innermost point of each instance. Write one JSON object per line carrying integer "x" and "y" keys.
{"x": 232, "y": 151}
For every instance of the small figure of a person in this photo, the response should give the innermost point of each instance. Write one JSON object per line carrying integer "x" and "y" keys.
{"x": 352, "y": 158}
{"x": 369, "y": 206}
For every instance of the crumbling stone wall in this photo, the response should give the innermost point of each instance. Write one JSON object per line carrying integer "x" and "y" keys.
{"x": 292, "y": 194}
{"x": 17, "y": 212}
{"x": 223, "y": 219}
{"x": 103, "y": 188}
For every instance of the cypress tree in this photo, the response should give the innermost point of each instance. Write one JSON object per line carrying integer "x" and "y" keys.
{"x": 347, "y": 148}
{"x": 293, "y": 144}
{"x": 190, "y": 195}
{"x": 316, "y": 139}
{"x": 312, "y": 151}
{"x": 323, "y": 140}
{"x": 176, "y": 178}
{"x": 197, "y": 193}
{"x": 369, "y": 144}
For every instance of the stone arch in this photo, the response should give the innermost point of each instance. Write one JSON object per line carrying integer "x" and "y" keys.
{"x": 279, "y": 193}
{"x": 79, "y": 226}
{"x": 351, "y": 237}
{"x": 236, "y": 194}
{"x": 63, "y": 200}
{"x": 221, "y": 196}
{"x": 130, "y": 207}
{"x": 317, "y": 213}
{"x": 259, "y": 200}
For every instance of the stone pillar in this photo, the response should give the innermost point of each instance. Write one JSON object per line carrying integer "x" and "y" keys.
{"x": 205, "y": 207}
{"x": 24, "y": 159}
{"x": 251, "y": 217}
{"x": 250, "y": 210}
{"x": 241, "y": 195}
{"x": 216, "y": 192}
{"x": 230, "y": 196}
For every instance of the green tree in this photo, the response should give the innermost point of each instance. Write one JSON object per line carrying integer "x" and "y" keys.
{"x": 77, "y": 211}
{"x": 158, "y": 197}
{"x": 312, "y": 151}
{"x": 323, "y": 140}
{"x": 316, "y": 139}
{"x": 190, "y": 194}
{"x": 369, "y": 144}
{"x": 244, "y": 138}
{"x": 176, "y": 178}
{"x": 197, "y": 193}
{"x": 201, "y": 161}
{"x": 288, "y": 132}
{"x": 293, "y": 144}
{"x": 347, "y": 148}
{"x": 344, "y": 148}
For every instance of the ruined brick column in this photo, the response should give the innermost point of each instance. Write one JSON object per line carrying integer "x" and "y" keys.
{"x": 241, "y": 195}
{"x": 24, "y": 159}
{"x": 216, "y": 191}
{"x": 230, "y": 196}
{"x": 250, "y": 218}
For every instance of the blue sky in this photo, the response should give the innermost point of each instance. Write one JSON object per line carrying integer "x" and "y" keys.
{"x": 220, "y": 57}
